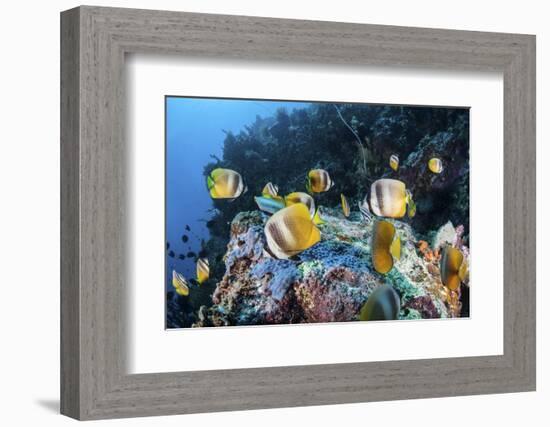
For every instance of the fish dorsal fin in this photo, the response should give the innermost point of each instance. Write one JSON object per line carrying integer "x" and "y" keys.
{"x": 216, "y": 173}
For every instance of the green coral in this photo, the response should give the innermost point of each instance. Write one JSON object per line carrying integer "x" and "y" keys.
{"x": 402, "y": 284}
{"x": 311, "y": 267}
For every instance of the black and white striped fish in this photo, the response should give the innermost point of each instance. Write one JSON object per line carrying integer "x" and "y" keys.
{"x": 364, "y": 209}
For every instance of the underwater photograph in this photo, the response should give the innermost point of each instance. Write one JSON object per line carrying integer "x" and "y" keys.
{"x": 285, "y": 212}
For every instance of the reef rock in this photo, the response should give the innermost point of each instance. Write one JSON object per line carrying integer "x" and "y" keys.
{"x": 328, "y": 282}
{"x": 445, "y": 235}
{"x": 439, "y": 197}
{"x": 443, "y": 145}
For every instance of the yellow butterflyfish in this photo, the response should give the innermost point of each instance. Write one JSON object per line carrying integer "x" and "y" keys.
{"x": 388, "y": 198}
{"x": 394, "y": 162}
{"x": 291, "y": 231}
{"x": 203, "y": 270}
{"x": 453, "y": 267}
{"x": 225, "y": 184}
{"x": 386, "y": 245}
{"x": 435, "y": 165}
{"x": 180, "y": 283}
{"x": 345, "y": 205}
{"x": 318, "y": 181}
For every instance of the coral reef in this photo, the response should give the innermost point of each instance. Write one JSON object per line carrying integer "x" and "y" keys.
{"x": 328, "y": 282}
{"x": 331, "y": 280}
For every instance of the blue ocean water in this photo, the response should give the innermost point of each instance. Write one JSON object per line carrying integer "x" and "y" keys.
{"x": 195, "y": 132}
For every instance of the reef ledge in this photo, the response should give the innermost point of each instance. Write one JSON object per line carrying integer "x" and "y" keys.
{"x": 328, "y": 282}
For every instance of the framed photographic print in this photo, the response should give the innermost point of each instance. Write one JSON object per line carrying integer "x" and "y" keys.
{"x": 309, "y": 203}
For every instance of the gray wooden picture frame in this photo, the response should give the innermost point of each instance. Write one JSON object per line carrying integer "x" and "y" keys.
{"x": 94, "y": 41}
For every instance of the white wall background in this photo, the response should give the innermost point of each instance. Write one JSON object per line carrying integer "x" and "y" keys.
{"x": 29, "y": 211}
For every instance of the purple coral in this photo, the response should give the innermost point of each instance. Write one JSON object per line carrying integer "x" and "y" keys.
{"x": 335, "y": 296}
{"x": 425, "y": 306}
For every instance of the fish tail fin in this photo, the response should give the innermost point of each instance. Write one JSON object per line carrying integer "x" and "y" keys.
{"x": 216, "y": 173}
{"x": 314, "y": 237}
{"x": 395, "y": 247}
{"x": 412, "y": 209}
{"x": 209, "y": 182}
{"x": 317, "y": 220}
{"x": 411, "y": 205}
